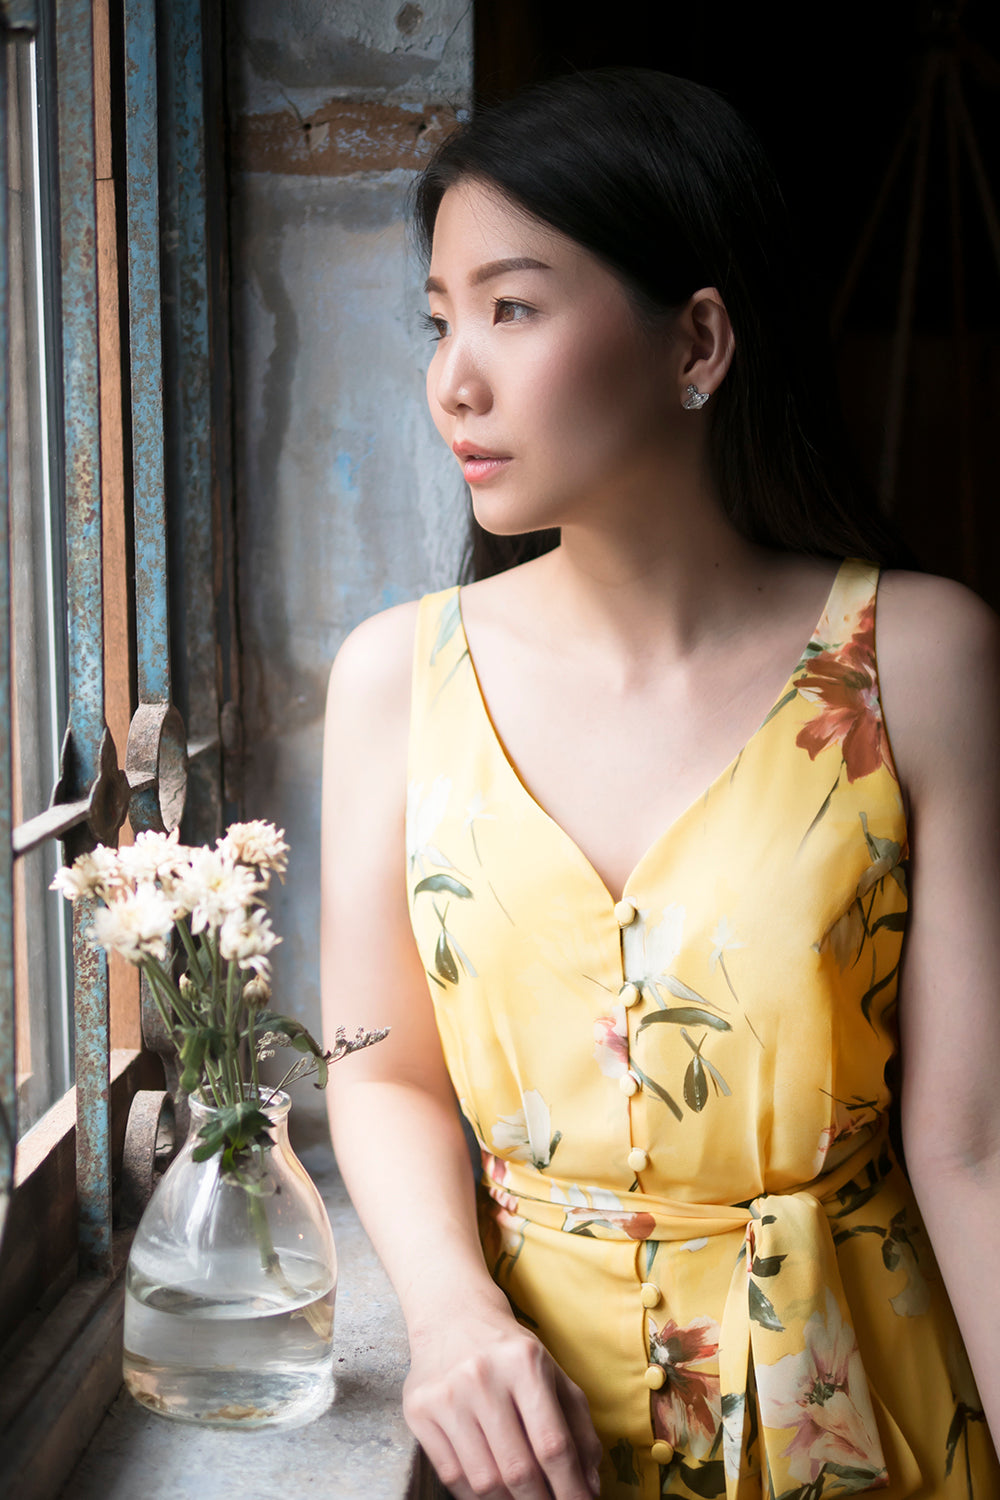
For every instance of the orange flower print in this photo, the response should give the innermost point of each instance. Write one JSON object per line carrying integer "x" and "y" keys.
{"x": 687, "y": 1409}
{"x": 843, "y": 679}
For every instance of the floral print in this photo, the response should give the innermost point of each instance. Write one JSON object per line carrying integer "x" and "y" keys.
{"x": 844, "y": 682}
{"x": 687, "y": 1408}
{"x": 821, "y": 1394}
{"x": 684, "y": 1111}
{"x": 527, "y": 1134}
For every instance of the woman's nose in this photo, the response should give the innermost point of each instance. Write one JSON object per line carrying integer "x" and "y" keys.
{"x": 459, "y": 379}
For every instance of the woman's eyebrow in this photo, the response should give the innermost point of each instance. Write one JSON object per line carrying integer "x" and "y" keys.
{"x": 490, "y": 269}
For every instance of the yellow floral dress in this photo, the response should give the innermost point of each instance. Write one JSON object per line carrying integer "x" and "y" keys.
{"x": 688, "y": 1188}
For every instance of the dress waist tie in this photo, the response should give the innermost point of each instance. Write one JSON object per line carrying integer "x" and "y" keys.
{"x": 785, "y": 1332}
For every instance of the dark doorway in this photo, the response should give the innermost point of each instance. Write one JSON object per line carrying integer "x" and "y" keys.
{"x": 832, "y": 90}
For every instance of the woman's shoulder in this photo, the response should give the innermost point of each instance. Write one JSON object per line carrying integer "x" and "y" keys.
{"x": 372, "y": 670}
{"x": 938, "y": 647}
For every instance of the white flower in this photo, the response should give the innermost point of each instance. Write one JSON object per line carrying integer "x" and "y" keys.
{"x": 154, "y": 856}
{"x": 213, "y": 887}
{"x": 650, "y": 950}
{"x": 822, "y": 1394}
{"x": 246, "y": 937}
{"x": 723, "y": 939}
{"x": 527, "y": 1135}
{"x": 256, "y": 843}
{"x": 423, "y": 814}
{"x": 98, "y": 873}
{"x": 136, "y": 925}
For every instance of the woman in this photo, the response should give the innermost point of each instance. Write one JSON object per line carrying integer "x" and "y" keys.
{"x": 665, "y": 1001}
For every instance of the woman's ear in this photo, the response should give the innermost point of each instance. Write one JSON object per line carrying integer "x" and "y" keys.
{"x": 705, "y": 336}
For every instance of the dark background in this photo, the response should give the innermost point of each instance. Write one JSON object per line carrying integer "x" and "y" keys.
{"x": 830, "y": 89}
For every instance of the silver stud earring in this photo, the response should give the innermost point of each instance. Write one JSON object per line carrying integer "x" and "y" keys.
{"x": 694, "y": 399}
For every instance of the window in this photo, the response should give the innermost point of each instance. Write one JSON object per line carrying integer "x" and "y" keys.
{"x": 116, "y": 686}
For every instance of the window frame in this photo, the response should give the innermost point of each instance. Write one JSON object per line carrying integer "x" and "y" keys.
{"x": 144, "y": 422}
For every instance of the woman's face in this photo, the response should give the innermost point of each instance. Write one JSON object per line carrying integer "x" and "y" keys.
{"x": 552, "y": 395}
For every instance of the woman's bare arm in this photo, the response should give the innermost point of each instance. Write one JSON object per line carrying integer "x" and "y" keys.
{"x": 939, "y": 654}
{"x": 491, "y": 1409}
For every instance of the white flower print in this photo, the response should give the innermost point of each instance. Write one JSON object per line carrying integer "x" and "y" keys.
{"x": 527, "y": 1135}
{"x": 423, "y": 814}
{"x": 724, "y": 940}
{"x": 822, "y": 1393}
{"x": 650, "y": 946}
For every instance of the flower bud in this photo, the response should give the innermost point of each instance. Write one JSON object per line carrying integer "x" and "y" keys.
{"x": 256, "y": 991}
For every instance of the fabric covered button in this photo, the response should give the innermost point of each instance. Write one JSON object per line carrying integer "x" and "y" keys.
{"x": 629, "y": 1084}
{"x": 661, "y": 1453}
{"x": 624, "y": 913}
{"x": 650, "y": 1294}
{"x": 654, "y": 1377}
{"x": 638, "y": 1159}
{"x": 629, "y": 995}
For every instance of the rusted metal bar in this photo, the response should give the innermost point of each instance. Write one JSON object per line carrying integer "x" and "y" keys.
{"x": 145, "y": 336}
{"x": 85, "y": 615}
{"x": 187, "y": 375}
{"x": 8, "y": 1092}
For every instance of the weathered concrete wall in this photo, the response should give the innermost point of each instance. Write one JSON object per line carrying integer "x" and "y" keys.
{"x": 347, "y": 500}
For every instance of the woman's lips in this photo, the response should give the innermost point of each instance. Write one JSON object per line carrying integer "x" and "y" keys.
{"x": 478, "y": 464}
{"x": 476, "y": 470}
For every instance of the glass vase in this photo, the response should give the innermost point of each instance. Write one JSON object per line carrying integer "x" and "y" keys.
{"x": 230, "y": 1288}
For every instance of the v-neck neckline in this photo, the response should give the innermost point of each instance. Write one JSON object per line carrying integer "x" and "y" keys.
{"x": 631, "y": 882}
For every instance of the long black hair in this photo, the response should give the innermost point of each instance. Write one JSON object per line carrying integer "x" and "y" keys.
{"x": 664, "y": 182}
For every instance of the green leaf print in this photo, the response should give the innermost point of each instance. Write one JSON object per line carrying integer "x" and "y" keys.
{"x": 444, "y": 960}
{"x": 622, "y": 1455}
{"x": 707, "y": 1480}
{"x": 447, "y": 625}
{"x": 696, "y": 1085}
{"x": 762, "y": 1309}
{"x": 686, "y": 1015}
{"x": 789, "y": 697}
{"x": 442, "y": 883}
{"x": 766, "y": 1265}
{"x": 869, "y": 995}
{"x": 659, "y": 1091}
{"x": 893, "y": 921}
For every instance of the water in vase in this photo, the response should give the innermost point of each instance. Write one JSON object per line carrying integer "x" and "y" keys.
{"x": 229, "y": 1354}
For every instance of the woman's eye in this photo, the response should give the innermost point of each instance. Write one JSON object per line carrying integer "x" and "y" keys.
{"x": 507, "y": 311}
{"x": 436, "y": 327}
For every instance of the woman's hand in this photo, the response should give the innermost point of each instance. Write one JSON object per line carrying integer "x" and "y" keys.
{"x": 495, "y": 1414}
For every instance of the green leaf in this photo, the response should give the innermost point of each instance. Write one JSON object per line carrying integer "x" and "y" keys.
{"x": 447, "y": 625}
{"x": 622, "y": 1456}
{"x": 893, "y": 921}
{"x": 680, "y": 990}
{"x": 444, "y": 960}
{"x": 442, "y": 883}
{"x": 781, "y": 703}
{"x": 869, "y": 995}
{"x": 954, "y": 1434}
{"x": 717, "y": 1078}
{"x": 766, "y": 1265}
{"x": 651, "y": 1248}
{"x": 232, "y": 1130}
{"x": 707, "y": 1480}
{"x": 856, "y": 1477}
{"x": 685, "y": 1015}
{"x": 659, "y": 1092}
{"x": 762, "y": 1310}
{"x": 695, "y": 1085}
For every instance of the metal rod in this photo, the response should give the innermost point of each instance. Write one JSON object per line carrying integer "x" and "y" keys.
{"x": 145, "y": 339}
{"x": 85, "y": 614}
{"x": 8, "y": 1093}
